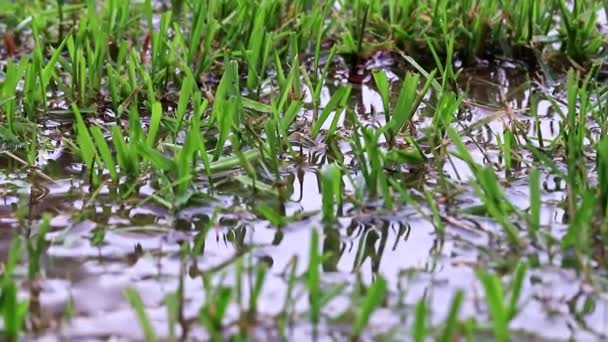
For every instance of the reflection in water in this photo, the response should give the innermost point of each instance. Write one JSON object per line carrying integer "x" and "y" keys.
{"x": 582, "y": 306}
{"x": 99, "y": 248}
{"x": 371, "y": 240}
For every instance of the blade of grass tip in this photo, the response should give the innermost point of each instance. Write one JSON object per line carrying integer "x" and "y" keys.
{"x": 184, "y": 95}
{"x": 274, "y": 144}
{"x": 104, "y": 151}
{"x": 332, "y": 292}
{"x": 85, "y": 142}
{"x": 157, "y": 112}
{"x": 260, "y": 276}
{"x": 114, "y": 88}
{"x": 47, "y": 72}
{"x": 289, "y": 298}
{"x": 420, "y": 69}
{"x": 535, "y": 203}
{"x": 270, "y": 214}
{"x": 280, "y": 72}
{"x": 254, "y": 49}
{"x": 200, "y": 105}
{"x": 185, "y": 158}
{"x": 375, "y": 297}
{"x": 330, "y": 190}
{"x": 159, "y": 160}
{"x": 383, "y": 87}
{"x": 320, "y": 29}
{"x": 14, "y": 255}
{"x": 231, "y": 162}
{"x": 223, "y": 300}
{"x": 602, "y": 166}
{"x": 495, "y": 300}
{"x": 438, "y": 62}
{"x": 548, "y": 162}
{"x": 13, "y": 311}
{"x": 122, "y": 156}
{"x": 508, "y": 137}
{"x": 449, "y": 331}
{"x": 492, "y": 194}
{"x": 462, "y": 151}
{"x": 200, "y": 143}
{"x": 436, "y": 214}
{"x": 422, "y": 93}
{"x": 420, "y": 331}
{"x": 516, "y": 288}
{"x": 577, "y": 234}
{"x": 137, "y": 304}
{"x": 286, "y": 92}
{"x": 257, "y": 185}
{"x": 9, "y": 89}
{"x": 238, "y": 288}
{"x": 332, "y": 106}
{"x": 172, "y": 303}
{"x": 212, "y": 314}
{"x": 257, "y": 106}
{"x": 35, "y": 249}
{"x": 290, "y": 115}
{"x": 405, "y": 104}
{"x": 225, "y": 106}
{"x": 313, "y": 281}
{"x": 328, "y": 63}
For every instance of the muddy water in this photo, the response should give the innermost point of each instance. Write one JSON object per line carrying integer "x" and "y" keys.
{"x": 80, "y": 293}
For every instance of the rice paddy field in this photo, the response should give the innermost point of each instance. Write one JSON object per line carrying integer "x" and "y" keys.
{"x": 274, "y": 170}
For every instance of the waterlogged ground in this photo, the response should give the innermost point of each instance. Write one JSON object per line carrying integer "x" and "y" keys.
{"x": 99, "y": 244}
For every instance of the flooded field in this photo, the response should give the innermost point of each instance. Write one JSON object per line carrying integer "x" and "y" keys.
{"x": 360, "y": 170}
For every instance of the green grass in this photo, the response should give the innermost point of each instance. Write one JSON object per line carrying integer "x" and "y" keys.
{"x": 13, "y": 309}
{"x": 205, "y": 103}
{"x": 138, "y": 306}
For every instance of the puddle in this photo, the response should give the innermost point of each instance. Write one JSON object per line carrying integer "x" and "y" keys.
{"x": 100, "y": 246}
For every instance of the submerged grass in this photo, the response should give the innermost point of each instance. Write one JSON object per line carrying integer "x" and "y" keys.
{"x": 186, "y": 105}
